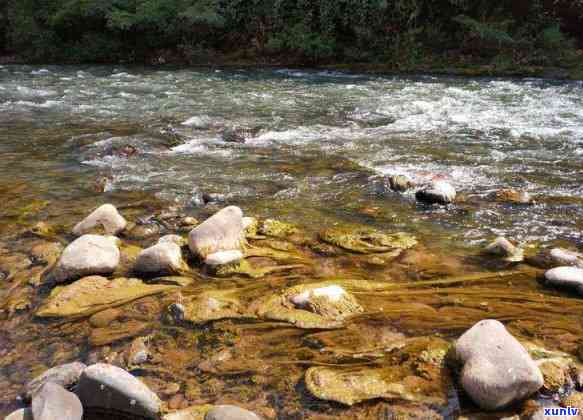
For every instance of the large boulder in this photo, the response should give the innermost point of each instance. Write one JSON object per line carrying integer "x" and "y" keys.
{"x": 94, "y": 294}
{"x": 104, "y": 388}
{"x": 221, "y": 232}
{"x": 86, "y": 256}
{"x": 497, "y": 370}
{"x": 230, "y": 412}
{"x": 164, "y": 258}
{"x": 52, "y": 402}
{"x": 65, "y": 375}
{"x": 566, "y": 277}
{"x": 439, "y": 192}
{"x": 105, "y": 219}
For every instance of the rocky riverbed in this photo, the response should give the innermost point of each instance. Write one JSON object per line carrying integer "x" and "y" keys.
{"x": 288, "y": 244}
{"x": 208, "y": 318}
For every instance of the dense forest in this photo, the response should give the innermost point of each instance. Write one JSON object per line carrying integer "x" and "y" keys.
{"x": 401, "y": 33}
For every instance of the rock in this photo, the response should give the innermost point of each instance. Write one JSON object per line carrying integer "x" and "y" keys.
{"x": 53, "y": 402}
{"x": 22, "y": 414}
{"x": 223, "y": 257}
{"x": 85, "y": 256}
{"x": 575, "y": 400}
{"x": 65, "y": 375}
{"x": 95, "y": 294}
{"x": 329, "y": 301}
{"x": 439, "y": 192}
{"x": 104, "y": 318}
{"x": 107, "y": 387}
{"x": 502, "y": 247}
{"x": 106, "y": 219}
{"x": 250, "y": 225}
{"x": 190, "y": 413}
{"x": 497, "y": 370}
{"x": 277, "y": 229}
{"x": 567, "y": 277}
{"x": 400, "y": 183}
{"x": 161, "y": 259}
{"x": 138, "y": 352}
{"x": 513, "y": 196}
{"x": 233, "y": 135}
{"x": 221, "y": 232}
{"x": 46, "y": 252}
{"x": 364, "y": 240}
{"x": 111, "y": 334}
{"x": 143, "y": 231}
{"x": 555, "y": 376}
{"x": 230, "y": 412}
{"x": 173, "y": 239}
{"x": 557, "y": 257}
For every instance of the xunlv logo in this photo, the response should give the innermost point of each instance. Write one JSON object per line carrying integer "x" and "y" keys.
{"x": 569, "y": 411}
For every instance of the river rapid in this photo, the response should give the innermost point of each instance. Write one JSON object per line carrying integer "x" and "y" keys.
{"x": 319, "y": 146}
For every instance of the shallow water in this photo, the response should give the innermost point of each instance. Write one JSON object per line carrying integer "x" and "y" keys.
{"x": 318, "y": 146}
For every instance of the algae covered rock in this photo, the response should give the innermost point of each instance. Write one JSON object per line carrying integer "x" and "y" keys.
{"x": 277, "y": 229}
{"x": 221, "y": 232}
{"x": 85, "y": 256}
{"x": 497, "y": 370}
{"x": 210, "y": 306}
{"x": 105, "y": 219}
{"x": 414, "y": 372}
{"x": 106, "y": 388}
{"x": 94, "y": 294}
{"x": 365, "y": 240}
{"x": 321, "y": 305}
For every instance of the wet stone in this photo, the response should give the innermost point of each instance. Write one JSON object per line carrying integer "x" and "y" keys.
{"x": 497, "y": 370}
{"x": 53, "y": 402}
{"x": 22, "y": 414}
{"x": 106, "y": 387}
{"x": 439, "y": 192}
{"x": 566, "y": 277}
{"x": 111, "y": 334}
{"x": 104, "y": 220}
{"x": 65, "y": 375}
{"x": 221, "y": 232}
{"x": 104, "y": 318}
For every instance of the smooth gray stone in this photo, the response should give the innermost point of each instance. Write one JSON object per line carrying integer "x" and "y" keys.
{"x": 230, "y": 412}
{"x": 52, "y": 402}
{"x": 64, "y": 375}
{"x": 22, "y": 414}
{"x": 109, "y": 387}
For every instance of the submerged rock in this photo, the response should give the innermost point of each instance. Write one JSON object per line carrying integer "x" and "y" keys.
{"x": 415, "y": 372}
{"x": 174, "y": 239}
{"x": 513, "y": 196}
{"x": 94, "y": 294}
{"x": 367, "y": 241}
{"x": 65, "y": 375}
{"x": 107, "y": 387}
{"x": 502, "y": 247}
{"x": 221, "y": 232}
{"x": 104, "y": 318}
{"x": 164, "y": 258}
{"x": 143, "y": 231}
{"x": 567, "y": 277}
{"x": 320, "y": 305}
{"x": 230, "y": 412}
{"x": 53, "y": 402}
{"x": 497, "y": 370}
{"x": 105, "y": 219}
{"x": 439, "y": 192}
{"x": 111, "y": 334}
{"x": 200, "y": 122}
{"x": 277, "y": 229}
{"x": 250, "y": 226}
{"x": 233, "y": 135}
{"x": 85, "y": 256}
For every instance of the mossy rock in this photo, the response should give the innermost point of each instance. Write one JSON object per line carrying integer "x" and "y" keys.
{"x": 215, "y": 305}
{"x": 318, "y": 311}
{"x": 555, "y": 375}
{"x": 94, "y": 294}
{"x": 111, "y": 334}
{"x": 415, "y": 373}
{"x": 365, "y": 240}
{"x": 277, "y": 229}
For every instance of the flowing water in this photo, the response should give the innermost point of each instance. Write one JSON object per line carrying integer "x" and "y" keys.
{"x": 318, "y": 146}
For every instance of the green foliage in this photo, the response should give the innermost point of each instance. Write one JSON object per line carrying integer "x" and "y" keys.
{"x": 401, "y": 32}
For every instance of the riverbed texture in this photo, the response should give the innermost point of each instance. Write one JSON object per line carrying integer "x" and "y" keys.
{"x": 350, "y": 289}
